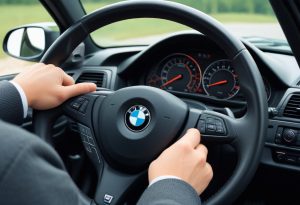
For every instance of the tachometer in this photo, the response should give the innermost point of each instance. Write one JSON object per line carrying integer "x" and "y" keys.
{"x": 177, "y": 72}
{"x": 220, "y": 80}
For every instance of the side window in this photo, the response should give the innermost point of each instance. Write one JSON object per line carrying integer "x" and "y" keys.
{"x": 13, "y": 14}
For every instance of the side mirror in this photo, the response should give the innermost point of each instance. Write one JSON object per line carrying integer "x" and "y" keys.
{"x": 29, "y": 42}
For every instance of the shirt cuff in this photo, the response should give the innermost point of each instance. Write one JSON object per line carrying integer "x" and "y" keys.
{"x": 162, "y": 178}
{"x": 23, "y": 98}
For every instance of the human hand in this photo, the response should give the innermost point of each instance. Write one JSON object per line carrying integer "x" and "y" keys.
{"x": 185, "y": 159}
{"x": 47, "y": 86}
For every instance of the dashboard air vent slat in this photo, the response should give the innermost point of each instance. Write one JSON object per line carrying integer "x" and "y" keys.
{"x": 292, "y": 108}
{"x": 93, "y": 77}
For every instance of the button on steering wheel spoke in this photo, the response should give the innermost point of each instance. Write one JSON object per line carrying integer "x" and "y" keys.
{"x": 216, "y": 127}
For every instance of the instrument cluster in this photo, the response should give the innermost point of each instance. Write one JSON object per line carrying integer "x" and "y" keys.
{"x": 197, "y": 73}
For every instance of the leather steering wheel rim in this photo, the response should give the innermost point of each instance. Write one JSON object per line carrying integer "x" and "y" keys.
{"x": 254, "y": 122}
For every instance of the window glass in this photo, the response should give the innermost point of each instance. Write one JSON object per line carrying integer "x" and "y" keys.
{"x": 253, "y": 19}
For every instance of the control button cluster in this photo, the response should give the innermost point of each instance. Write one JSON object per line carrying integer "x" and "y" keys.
{"x": 286, "y": 157}
{"x": 211, "y": 125}
{"x": 80, "y": 104}
{"x": 287, "y": 136}
{"x": 88, "y": 142}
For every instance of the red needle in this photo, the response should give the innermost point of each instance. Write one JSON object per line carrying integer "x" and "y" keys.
{"x": 218, "y": 83}
{"x": 171, "y": 81}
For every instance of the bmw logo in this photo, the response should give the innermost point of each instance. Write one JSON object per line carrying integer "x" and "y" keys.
{"x": 137, "y": 118}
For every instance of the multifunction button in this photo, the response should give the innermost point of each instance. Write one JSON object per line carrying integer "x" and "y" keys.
{"x": 211, "y": 125}
{"x": 88, "y": 142}
{"x": 80, "y": 104}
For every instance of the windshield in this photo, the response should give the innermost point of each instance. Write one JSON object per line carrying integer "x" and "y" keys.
{"x": 250, "y": 19}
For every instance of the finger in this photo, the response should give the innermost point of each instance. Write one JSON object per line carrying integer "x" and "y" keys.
{"x": 78, "y": 89}
{"x": 201, "y": 152}
{"x": 202, "y": 149}
{"x": 209, "y": 171}
{"x": 67, "y": 80}
{"x": 51, "y": 66}
{"x": 38, "y": 65}
{"x": 192, "y": 137}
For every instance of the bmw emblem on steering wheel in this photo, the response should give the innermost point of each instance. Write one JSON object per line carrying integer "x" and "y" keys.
{"x": 137, "y": 118}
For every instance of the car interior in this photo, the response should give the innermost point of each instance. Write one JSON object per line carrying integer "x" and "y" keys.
{"x": 241, "y": 93}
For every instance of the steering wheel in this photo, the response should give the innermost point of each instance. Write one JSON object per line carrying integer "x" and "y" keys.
{"x": 122, "y": 148}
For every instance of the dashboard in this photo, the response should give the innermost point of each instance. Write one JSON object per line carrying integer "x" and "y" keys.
{"x": 197, "y": 71}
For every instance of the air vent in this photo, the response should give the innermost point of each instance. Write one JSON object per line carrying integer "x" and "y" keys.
{"x": 97, "y": 78}
{"x": 292, "y": 108}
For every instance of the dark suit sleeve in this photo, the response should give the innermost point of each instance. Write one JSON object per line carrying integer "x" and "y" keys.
{"x": 170, "y": 192}
{"x": 11, "y": 108}
{"x": 32, "y": 173}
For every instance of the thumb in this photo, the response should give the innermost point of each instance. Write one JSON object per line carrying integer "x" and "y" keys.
{"x": 192, "y": 137}
{"x": 67, "y": 80}
{"x": 78, "y": 89}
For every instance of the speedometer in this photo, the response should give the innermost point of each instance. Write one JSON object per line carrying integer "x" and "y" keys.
{"x": 220, "y": 80}
{"x": 177, "y": 72}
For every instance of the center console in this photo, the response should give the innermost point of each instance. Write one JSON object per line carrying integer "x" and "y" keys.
{"x": 283, "y": 136}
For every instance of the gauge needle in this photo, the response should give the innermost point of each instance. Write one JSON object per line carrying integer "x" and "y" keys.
{"x": 218, "y": 83}
{"x": 172, "y": 80}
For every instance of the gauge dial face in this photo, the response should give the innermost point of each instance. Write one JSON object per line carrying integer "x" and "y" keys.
{"x": 177, "y": 72}
{"x": 220, "y": 80}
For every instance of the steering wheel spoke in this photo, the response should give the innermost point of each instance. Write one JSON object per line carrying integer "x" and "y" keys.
{"x": 114, "y": 186}
{"x": 214, "y": 127}
{"x": 217, "y": 127}
{"x": 80, "y": 108}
